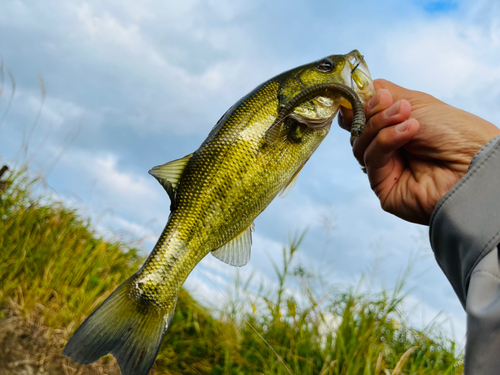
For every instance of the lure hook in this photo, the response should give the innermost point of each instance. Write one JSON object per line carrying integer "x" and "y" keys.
{"x": 356, "y": 67}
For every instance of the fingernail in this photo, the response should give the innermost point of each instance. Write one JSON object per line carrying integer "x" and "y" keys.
{"x": 392, "y": 110}
{"x": 403, "y": 127}
{"x": 373, "y": 101}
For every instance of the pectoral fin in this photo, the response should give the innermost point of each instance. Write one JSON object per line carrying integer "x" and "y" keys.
{"x": 237, "y": 251}
{"x": 273, "y": 132}
{"x": 291, "y": 183}
{"x": 169, "y": 174}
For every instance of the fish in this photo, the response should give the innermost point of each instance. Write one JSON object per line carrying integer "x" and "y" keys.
{"x": 253, "y": 154}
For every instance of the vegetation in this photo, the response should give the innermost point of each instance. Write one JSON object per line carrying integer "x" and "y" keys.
{"x": 55, "y": 269}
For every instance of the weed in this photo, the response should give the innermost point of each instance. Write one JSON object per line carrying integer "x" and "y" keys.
{"x": 55, "y": 269}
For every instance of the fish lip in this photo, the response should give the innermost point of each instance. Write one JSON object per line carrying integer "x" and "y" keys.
{"x": 356, "y": 71}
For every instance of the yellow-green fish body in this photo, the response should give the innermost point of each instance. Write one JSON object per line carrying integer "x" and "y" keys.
{"x": 216, "y": 193}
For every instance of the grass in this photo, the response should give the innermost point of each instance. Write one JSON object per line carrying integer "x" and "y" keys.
{"x": 55, "y": 269}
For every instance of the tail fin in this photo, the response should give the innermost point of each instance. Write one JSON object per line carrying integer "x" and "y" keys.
{"x": 130, "y": 331}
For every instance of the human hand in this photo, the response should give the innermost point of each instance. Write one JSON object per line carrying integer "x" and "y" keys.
{"x": 415, "y": 148}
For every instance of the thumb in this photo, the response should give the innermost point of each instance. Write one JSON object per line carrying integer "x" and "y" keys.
{"x": 417, "y": 98}
{"x": 397, "y": 92}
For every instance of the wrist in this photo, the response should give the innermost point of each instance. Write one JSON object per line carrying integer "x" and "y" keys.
{"x": 484, "y": 151}
{"x": 464, "y": 225}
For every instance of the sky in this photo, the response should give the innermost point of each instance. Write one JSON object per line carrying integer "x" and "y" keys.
{"x": 130, "y": 85}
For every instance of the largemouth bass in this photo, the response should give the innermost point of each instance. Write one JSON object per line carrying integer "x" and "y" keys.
{"x": 254, "y": 151}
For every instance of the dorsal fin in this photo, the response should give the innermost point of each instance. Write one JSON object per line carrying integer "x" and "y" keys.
{"x": 237, "y": 251}
{"x": 169, "y": 174}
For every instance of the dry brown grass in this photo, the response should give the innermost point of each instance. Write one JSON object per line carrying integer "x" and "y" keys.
{"x": 29, "y": 347}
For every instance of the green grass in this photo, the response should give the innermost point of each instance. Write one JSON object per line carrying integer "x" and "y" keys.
{"x": 55, "y": 269}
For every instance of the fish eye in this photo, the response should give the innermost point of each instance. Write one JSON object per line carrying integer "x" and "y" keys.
{"x": 326, "y": 65}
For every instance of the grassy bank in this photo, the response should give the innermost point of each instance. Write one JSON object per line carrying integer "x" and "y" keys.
{"x": 55, "y": 269}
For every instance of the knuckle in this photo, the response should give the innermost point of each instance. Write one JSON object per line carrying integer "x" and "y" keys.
{"x": 380, "y": 83}
{"x": 376, "y": 122}
{"x": 384, "y": 141}
{"x": 369, "y": 125}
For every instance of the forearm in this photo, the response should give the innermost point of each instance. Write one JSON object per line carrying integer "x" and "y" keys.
{"x": 464, "y": 234}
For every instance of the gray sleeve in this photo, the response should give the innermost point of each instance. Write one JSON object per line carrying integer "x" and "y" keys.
{"x": 465, "y": 225}
{"x": 464, "y": 234}
{"x": 482, "y": 353}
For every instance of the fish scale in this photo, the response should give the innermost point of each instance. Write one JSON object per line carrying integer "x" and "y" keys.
{"x": 255, "y": 151}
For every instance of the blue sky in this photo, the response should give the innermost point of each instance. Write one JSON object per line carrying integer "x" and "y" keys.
{"x": 445, "y": 6}
{"x": 131, "y": 85}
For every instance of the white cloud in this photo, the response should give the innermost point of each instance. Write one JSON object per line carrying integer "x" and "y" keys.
{"x": 107, "y": 28}
{"x": 134, "y": 199}
{"x": 442, "y": 57}
{"x": 57, "y": 111}
{"x": 138, "y": 231}
{"x": 104, "y": 168}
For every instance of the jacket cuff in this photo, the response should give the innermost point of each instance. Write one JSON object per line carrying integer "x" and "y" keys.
{"x": 465, "y": 224}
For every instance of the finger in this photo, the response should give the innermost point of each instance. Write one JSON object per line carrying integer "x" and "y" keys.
{"x": 395, "y": 114}
{"x": 398, "y": 92}
{"x": 380, "y": 101}
{"x": 383, "y": 162}
{"x": 345, "y": 118}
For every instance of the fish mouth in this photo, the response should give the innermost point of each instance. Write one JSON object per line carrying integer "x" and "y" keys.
{"x": 324, "y": 111}
{"x": 357, "y": 73}
{"x": 319, "y": 112}
{"x": 314, "y": 123}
